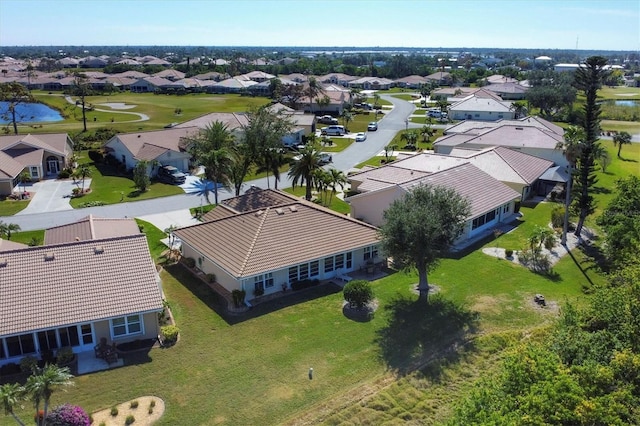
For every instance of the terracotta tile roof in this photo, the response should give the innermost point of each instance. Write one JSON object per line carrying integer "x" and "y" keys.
{"x": 90, "y": 228}
{"x": 529, "y": 167}
{"x": 256, "y": 199}
{"x": 50, "y": 286}
{"x": 53, "y": 142}
{"x": 483, "y": 192}
{"x": 221, "y": 211}
{"x": 270, "y": 239}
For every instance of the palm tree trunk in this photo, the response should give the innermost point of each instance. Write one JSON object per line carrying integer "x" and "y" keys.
{"x": 17, "y": 419}
{"x": 619, "y": 149}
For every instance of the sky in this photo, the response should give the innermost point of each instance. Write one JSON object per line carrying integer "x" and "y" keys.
{"x": 535, "y": 24}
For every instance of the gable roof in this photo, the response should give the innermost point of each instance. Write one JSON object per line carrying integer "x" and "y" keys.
{"x": 80, "y": 282}
{"x": 233, "y": 120}
{"x": 52, "y": 142}
{"x": 476, "y": 103}
{"x": 505, "y": 164}
{"x": 9, "y": 168}
{"x": 483, "y": 191}
{"x": 478, "y": 127}
{"x": 150, "y": 145}
{"x": 90, "y": 228}
{"x": 269, "y": 239}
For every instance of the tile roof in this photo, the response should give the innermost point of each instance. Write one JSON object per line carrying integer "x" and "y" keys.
{"x": 269, "y": 239}
{"x": 10, "y": 245}
{"x": 53, "y": 142}
{"x": 9, "y": 168}
{"x": 255, "y": 199}
{"x": 483, "y": 191}
{"x": 233, "y": 120}
{"x": 149, "y": 145}
{"x": 51, "y": 286}
{"x": 510, "y": 133}
{"x": 474, "y": 103}
{"x": 90, "y": 228}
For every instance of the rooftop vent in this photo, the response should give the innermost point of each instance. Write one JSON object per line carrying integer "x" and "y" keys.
{"x": 293, "y": 208}
{"x": 98, "y": 250}
{"x": 279, "y": 211}
{"x": 519, "y": 128}
{"x": 49, "y": 256}
{"x": 3, "y": 262}
{"x": 259, "y": 213}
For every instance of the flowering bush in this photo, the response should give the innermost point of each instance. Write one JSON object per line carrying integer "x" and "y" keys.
{"x": 68, "y": 415}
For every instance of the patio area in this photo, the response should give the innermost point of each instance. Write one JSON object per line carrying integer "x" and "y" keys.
{"x": 89, "y": 363}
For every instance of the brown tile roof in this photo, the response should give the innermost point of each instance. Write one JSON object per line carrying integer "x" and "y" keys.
{"x": 483, "y": 192}
{"x": 220, "y": 212}
{"x": 10, "y": 245}
{"x": 273, "y": 238}
{"x": 9, "y": 168}
{"x": 233, "y": 120}
{"x": 90, "y": 228}
{"x": 528, "y": 166}
{"x": 255, "y": 199}
{"x": 81, "y": 282}
{"x": 53, "y": 142}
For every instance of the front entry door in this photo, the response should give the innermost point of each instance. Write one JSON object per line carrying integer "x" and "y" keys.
{"x": 52, "y": 166}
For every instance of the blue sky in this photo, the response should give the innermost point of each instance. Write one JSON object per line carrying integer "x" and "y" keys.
{"x": 538, "y": 24}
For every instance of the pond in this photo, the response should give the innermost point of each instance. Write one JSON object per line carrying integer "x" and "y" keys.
{"x": 29, "y": 113}
{"x": 624, "y": 102}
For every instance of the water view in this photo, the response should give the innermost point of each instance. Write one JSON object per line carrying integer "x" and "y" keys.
{"x": 29, "y": 113}
{"x": 625, "y": 102}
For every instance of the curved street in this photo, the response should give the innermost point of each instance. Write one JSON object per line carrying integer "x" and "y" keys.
{"x": 393, "y": 121}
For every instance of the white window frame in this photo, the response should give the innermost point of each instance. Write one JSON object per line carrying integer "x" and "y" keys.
{"x": 128, "y": 322}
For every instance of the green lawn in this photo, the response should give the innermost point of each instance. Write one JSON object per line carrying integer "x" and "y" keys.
{"x": 632, "y": 127}
{"x": 27, "y": 237}
{"x": 405, "y": 97}
{"x": 328, "y": 200}
{"x": 10, "y": 207}
{"x": 619, "y": 92}
{"x": 110, "y": 186}
{"x": 161, "y": 110}
{"x": 339, "y": 144}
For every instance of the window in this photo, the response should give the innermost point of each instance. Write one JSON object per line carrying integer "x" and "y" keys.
{"x": 314, "y": 268}
{"x": 304, "y": 271}
{"x": 268, "y": 280}
{"x": 370, "y": 252}
{"x": 34, "y": 172}
{"x": 87, "y": 334}
{"x": 328, "y": 264}
{"x": 20, "y": 345}
{"x": 339, "y": 261}
{"x": 69, "y": 336}
{"x": 505, "y": 208}
{"x": 260, "y": 282}
{"x": 349, "y": 260}
{"x": 2, "y": 354}
{"x": 293, "y": 274}
{"x": 125, "y": 326}
{"x": 47, "y": 340}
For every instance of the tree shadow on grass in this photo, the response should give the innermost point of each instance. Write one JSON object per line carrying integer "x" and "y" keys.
{"x": 628, "y": 160}
{"x": 420, "y": 333}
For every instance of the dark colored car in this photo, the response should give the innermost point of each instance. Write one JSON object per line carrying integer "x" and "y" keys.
{"x": 170, "y": 174}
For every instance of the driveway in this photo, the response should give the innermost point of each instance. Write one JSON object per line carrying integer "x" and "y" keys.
{"x": 50, "y": 195}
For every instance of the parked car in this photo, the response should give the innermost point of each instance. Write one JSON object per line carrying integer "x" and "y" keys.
{"x": 333, "y": 130}
{"x": 361, "y": 137}
{"x": 324, "y": 158}
{"x": 373, "y": 126}
{"x": 170, "y": 174}
{"x": 327, "y": 119}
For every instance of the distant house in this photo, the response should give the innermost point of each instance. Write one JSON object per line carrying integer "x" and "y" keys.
{"x": 442, "y": 78}
{"x": 150, "y": 85}
{"x": 90, "y": 228}
{"x": 88, "y": 290}
{"x": 411, "y": 82}
{"x": 337, "y": 78}
{"x": 253, "y": 243}
{"x": 170, "y": 74}
{"x": 43, "y": 155}
{"x": 235, "y": 121}
{"x": 372, "y": 83}
{"x": 231, "y": 85}
{"x": 259, "y": 76}
{"x": 159, "y": 148}
{"x": 508, "y": 91}
{"x": 477, "y": 108}
{"x": 491, "y": 201}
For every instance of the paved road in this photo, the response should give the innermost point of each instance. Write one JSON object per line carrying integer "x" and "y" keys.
{"x": 345, "y": 160}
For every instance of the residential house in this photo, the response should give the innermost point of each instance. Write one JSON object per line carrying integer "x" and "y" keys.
{"x": 235, "y": 121}
{"x": 337, "y": 78}
{"x": 150, "y": 85}
{"x": 231, "y": 85}
{"x": 90, "y": 228}
{"x": 411, "y": 82}
{"x": 442, "y": 78}
{"x": 491, "y": 201}
{"x": 477, "y": 108}
{"x": 158, "y": 148}
{"x": 43, "y": 155}
{"x": 253, "y": 242}
{"x": 372, "y": 83}
{"x": 519, "y": 135}
{"x": 74, "y": 294}
{"x": 170, "y": 74}
{"x": 508, "y": 91}
{"x": 259, "y": 76}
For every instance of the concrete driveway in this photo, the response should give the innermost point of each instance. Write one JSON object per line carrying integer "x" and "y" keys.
{"x": 50, "y": 195}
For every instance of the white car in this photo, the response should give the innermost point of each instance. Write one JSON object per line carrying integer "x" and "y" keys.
{"x": 361, "y": 137}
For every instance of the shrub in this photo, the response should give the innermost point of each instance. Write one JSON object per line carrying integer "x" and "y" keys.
{"x": 114, "y": 411}
{"x": 238, "y": 297}
{"x": 508, "y": 252}
{"x": 64, "y": 174}
{"x": 553, "y": 195}
{"x": 76, "y": 191}
{"x": 28, "y": 364}
{"x": 129, "y": 420}
{"x": 211, "y": 278}
{"x": 150, "y": 410}
{"x": 358, "y": 293}
{"x": 190, "y": 262}
{"x": 557, "y": 216}
{"x": 134, "y": 404}
{"x": 152, "y": 403}
{"x": 170, "y": 333}
{"x": 65, "y": 355}
{"x": 258, "y": 292}
{"x": 302, "y": 284}
{"x": 68, "y": 415}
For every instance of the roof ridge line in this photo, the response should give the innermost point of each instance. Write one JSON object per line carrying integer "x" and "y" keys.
{"x": 509, "y": 164}
{"x": 255, "y": 239}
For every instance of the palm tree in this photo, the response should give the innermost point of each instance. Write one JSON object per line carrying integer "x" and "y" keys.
{"x": 410, "y": 137}
{"x": 42, "y": 385}
{"x": 347, "y": 117}
{"x": 25, "y": 177}
{"x": 302, "y": 170}
{"x": 84, "y": 171}
{"x": 519, "y": 109}
{"x": 313, "y": 89}
{"x": 571, "y": 147}
{"x": 212, "y": 149}
{"x": 320, "y": 178}
{"x": 426, "y": 133}
{"x": 376, "y": 99}
{"x": 336, "y": 178}
{"x": 7, "y": 228}
{"x": 10, "y": 395}
{"x": 622, "y": 138}
{"x": 241, "y": 163}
